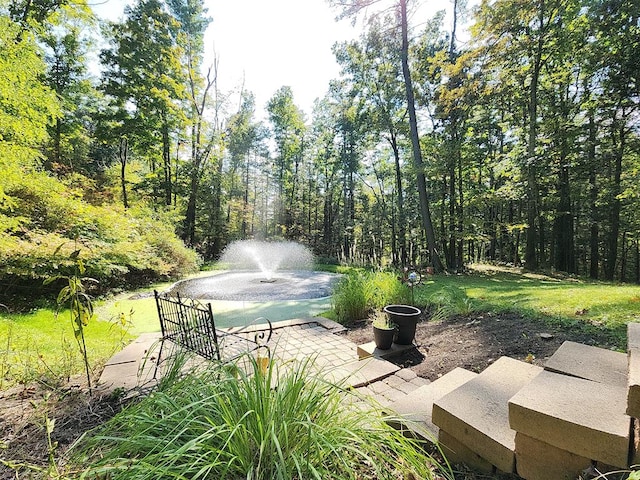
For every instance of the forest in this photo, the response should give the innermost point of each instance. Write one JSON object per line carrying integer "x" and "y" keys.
{"x": 519, "y": 145}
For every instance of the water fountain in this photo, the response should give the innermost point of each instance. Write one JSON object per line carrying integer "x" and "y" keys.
{"x": 262, "y": 271}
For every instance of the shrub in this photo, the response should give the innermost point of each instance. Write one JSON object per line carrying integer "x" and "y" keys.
{"x": 224, "y": 423}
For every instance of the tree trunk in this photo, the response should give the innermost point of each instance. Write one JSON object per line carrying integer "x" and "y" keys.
{"x": 166, "y": 161}
{"x": 415, "y": 143}
{"x": 530, "y": 257}
{"x": 402, "y": 228}
{"x": 122, "y": 155}
{"x": 594, "y": 233}
{"x": 614, "y": 215}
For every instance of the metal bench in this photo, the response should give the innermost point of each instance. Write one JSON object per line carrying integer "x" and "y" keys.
{"x": 190, "y": 325}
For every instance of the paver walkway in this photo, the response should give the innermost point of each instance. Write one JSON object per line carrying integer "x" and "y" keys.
{"x": 315, "y": 339}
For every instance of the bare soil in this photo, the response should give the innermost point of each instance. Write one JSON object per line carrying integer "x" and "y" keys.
{"x": 472, "y": 342}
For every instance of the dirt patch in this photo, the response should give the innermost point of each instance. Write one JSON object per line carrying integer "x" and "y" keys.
{"x": 472, "y": 342}
{"x": 27, "y": 412}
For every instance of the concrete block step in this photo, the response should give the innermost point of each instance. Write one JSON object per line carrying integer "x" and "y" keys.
{"x": 579, "y": 416}
{"x": 457, "y": 453}
{"x": 588, "y": 362}
{"x": 414, "y": 410}
{"x": 633, "y": 385}
{"x": 476, "y": 413}
{"x": 537, "y": 460}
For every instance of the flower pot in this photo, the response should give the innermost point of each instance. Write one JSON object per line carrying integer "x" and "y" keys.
{"x": 406, "y": 318}
{"x": 383, "y": 337}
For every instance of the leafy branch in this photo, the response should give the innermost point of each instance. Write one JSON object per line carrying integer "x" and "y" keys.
{"x": 79, "y": 302}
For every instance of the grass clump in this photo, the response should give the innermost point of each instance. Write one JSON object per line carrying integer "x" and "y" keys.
{"x": 360, "y": 292}
{"x": 223, "y": 423}
{"x": 449, "y": 301}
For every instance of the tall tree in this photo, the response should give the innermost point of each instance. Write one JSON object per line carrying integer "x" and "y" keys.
{"x": 143, "y": 76}
{"x": 352, "y": 8}
{"x": 288, "y": 128}
{"x": 67, "y": 46}
{"x": 373, "y": 69}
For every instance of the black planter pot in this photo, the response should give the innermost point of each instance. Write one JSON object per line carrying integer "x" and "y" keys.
{"x": 406, "y": 318}
{"x": 383, "y": 337}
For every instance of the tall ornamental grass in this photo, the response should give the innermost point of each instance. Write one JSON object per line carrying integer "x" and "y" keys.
{"x": 221, "y": 423}
{"x": 361, "y": 292}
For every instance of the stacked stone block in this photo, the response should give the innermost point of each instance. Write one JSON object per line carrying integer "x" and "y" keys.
{"x": 580, "y": 413}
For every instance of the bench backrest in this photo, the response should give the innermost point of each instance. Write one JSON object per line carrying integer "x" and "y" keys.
{"x": 188, "y": 324}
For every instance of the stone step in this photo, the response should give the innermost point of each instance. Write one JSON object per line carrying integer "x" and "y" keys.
{"x": 579, "y": 416}
{"x": 633, "y": 351}
{"x": 536, "y": 460}
{"x": 588, "y": 362}
{"x": 476, "y": 414}
{"x": 414, "y": 410}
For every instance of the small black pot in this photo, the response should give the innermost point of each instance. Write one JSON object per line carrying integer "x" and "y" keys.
{"x": 383, "y": 337}
{"x": 406, "y": 317}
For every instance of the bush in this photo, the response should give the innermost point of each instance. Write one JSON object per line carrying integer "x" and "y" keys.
{"x": 225, "y": 423}
{"x": 50, "y": 221}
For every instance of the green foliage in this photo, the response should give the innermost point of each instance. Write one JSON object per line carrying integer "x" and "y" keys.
{"x": 26, "y": 105}
{"x": 118, "y": 246}
{"x": 449, "y": 301}
{"x": 225, "y": 423}
{"x": 386, "y": 289}
{"x": 360, "y": 292}
{"x": 351, "y": 297}
{"x": 80, "y": 305}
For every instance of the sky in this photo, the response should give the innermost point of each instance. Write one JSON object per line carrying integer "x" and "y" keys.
{"x": 266, "y": 44}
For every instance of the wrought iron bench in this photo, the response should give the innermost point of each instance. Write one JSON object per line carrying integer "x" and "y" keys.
{"x": 190, "y": 325}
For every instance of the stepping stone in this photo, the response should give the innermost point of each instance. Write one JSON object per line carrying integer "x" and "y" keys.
{"x": 579, "y": 416}
{"x": 476, "y": 414}
{"x": 359, "y": 373}
{"x": 415, "y": 409}
{"x": 370, "y": 350}
{"x": 633, "y": 348}
{"x": 588, "y": 362}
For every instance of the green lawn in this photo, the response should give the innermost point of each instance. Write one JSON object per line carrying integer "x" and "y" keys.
{"x": 42, "y": 346}
{"x": 560, "y": 301}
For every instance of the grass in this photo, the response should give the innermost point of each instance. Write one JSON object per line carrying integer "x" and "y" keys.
{"x": 285, "y": 423}
{"x": 361, "y": 292}
{"x": 564, "y": 302}
{"x": 41, "y": 346}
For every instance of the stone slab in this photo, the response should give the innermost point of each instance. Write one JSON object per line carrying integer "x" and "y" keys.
{"x": 588, "y": 362}
{"x": 145, "y": 343}
{"x": 370, "y": 350}
{"x": 414, "y": 410}
{"x": 456, "y": 453}
{"x": 580, "y": 416}
{"x": 633, "y": 353}
{"x": 476, "y": 414}
{"x": 359, "y": 373}
{"x": 536, "y": 460}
